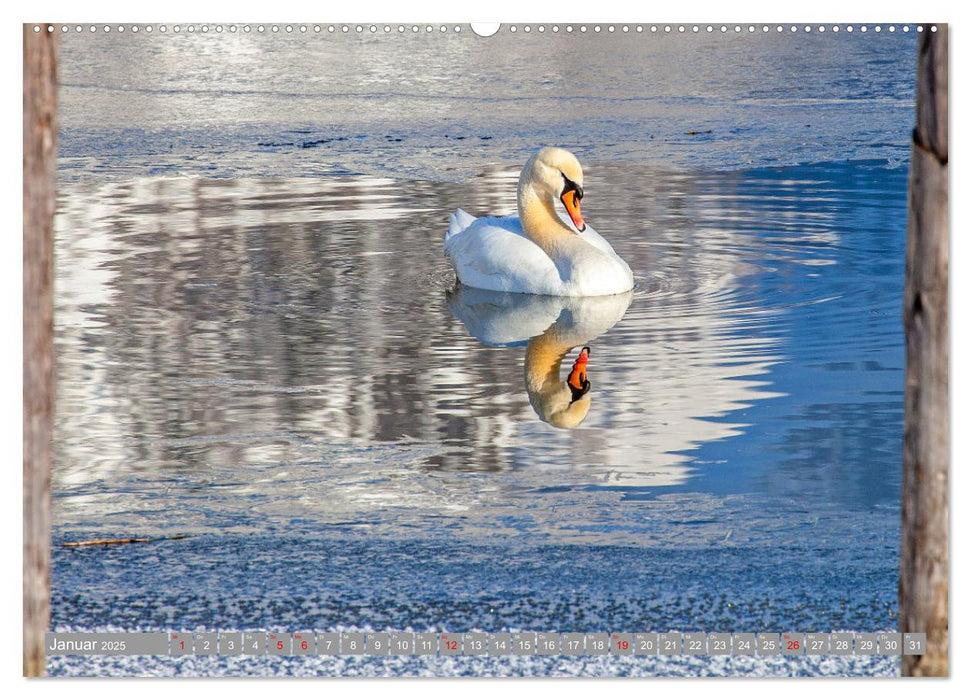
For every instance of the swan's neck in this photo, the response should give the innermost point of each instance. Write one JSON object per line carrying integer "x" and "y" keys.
{"x": 540, "y": 222}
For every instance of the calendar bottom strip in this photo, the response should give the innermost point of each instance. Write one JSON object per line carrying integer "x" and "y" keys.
{"x": 264, "y": 643}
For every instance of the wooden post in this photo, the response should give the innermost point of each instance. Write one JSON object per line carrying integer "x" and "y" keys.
{"x": 924, "y": 540}
{"x": 40, "y": 171}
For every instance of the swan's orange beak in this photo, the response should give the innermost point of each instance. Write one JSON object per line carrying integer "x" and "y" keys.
{"x": 577, "y": 381}
{"x": 571, "y": 200}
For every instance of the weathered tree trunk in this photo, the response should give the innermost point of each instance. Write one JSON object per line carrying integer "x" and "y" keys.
{"x": 40, "y": 168}
{"x": 924, "y": 542}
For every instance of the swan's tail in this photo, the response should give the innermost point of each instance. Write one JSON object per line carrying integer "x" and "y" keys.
{"x": 458, "y": 222}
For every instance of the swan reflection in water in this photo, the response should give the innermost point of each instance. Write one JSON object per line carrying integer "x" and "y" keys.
{"x": 550, "y": 327}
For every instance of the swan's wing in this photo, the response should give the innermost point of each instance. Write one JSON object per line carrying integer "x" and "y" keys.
{"x": 589, "y": 235}
{"x": 597, "y": 241}
{"x": 458, "y": 222}
{"x": 493, "y": 253}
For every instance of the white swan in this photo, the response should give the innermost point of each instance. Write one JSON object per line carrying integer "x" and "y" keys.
{"x": 538, "y": 252}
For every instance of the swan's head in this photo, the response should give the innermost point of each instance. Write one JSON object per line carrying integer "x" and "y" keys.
{"x": 556, "y": 173}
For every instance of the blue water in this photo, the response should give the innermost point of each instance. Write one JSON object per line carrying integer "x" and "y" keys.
{"x": 260, "y": 346}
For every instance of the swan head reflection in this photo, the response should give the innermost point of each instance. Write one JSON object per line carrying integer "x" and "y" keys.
{"x": 577, "y": 381}
{"x": 551, "y": 327}
{"x": 563, "y": 403}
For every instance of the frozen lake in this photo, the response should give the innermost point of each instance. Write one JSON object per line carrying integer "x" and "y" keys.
{"x": 259, "y": 343}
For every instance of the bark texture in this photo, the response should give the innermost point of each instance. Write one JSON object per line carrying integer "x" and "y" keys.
{"x": 40, "y": 168}
{"x": 924, "y": 565}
